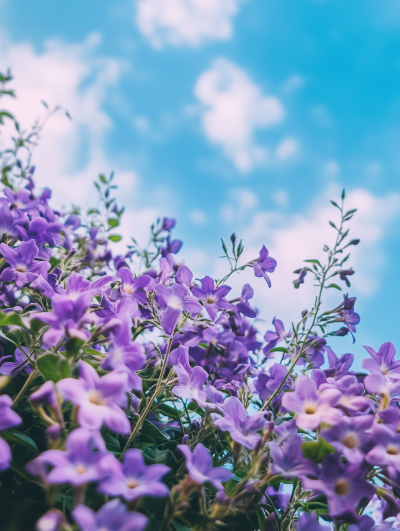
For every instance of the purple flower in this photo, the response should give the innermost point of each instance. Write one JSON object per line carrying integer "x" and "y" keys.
{"x": 171, "y": 247}
{"x": 113, "y": 516}
{"x": 383, "y": 360}
{"x": 213, "y": 299}
{"x": 266, "y": 383}
{"x": 308, "y": 522}
{"x": 289, "y": 460}
{"x": 99, "y": 399}
{"x": 168, "y": 224}
{"x": 310, "y": 407}
{"x": 191, "y": 382}
{"x": 240, "y": 426}
{"x": 23, "y": 267}
{"x": 132, "y": 479}
{"x": 79, "y": 464}
{"x": 350, "y": 437}
{"x": 276, "y": 337}
{"x": 40, "y": 230}
{"x": 12, "y": 368}
{"x": 200, "y": 467}
{"x": 184, "y": 276}
{"x": 135, "y": 287}
{"x": 352, "y": 399}
{"x": 8, "y": 417}
{"x": 174, "y": 301}
{"x": 343, "y": 486}
{"x": 386, "y": 451}
{"x": 51, "y": 521}
{"x": 300, "y": 280}
{"x": 21, "y": 200}
{"x": 5, "y": 455}
{"x": 264, "y": 265}
{"x": 338, "y": 365}
{"x": 347, "y": 314}
{"x": 244, "y": 306}
{"x": 344, "y": 273}
{"x": 125, "y": 355}
{"x": 9, "y": 221}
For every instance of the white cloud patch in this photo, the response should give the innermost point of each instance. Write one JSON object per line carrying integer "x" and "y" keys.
{"x": 72, "y": 152}
{"x": 185, "y": 22}
{"x": 234, "y": 107}
{"x": 198, "y": 217}
{"x": 242, "y": 203}
{"x": 332, "y": 168}
{"x": 287, "y": 149}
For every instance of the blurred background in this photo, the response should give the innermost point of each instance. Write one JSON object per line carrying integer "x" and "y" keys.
{"x": 241, "y": 116}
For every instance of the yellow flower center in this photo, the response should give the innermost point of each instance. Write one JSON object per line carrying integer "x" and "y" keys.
{"x": 350, "y": 440}
{"x": 341, "y": 487}
{"x": 95, "y": 397}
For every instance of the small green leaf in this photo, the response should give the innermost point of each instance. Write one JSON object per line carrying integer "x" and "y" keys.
{"x": 54, "y": 262}
{"x": 316, "y": 451}
{"x": 11, "y": 319}
{"x": 332, "y": 225}
{"x": 314, "y": 262}
{"x": 102, "y": 179}
{"x": 92, "y": 211}
{"x": 334, "y": 286}
{"x": 53, "y": 367}
{"x": 113, "y": 222}
{"x": 73, "y": 345}
{"x": 335, "y": 204}
{"x": 115, "y": 237}
{"x": 21, "y": 438}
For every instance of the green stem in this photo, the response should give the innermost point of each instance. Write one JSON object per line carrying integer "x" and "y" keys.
{"x": 150, "y": 402}
{"x": 27, "y": 383}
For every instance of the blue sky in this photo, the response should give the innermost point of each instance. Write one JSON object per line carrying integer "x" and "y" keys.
{"x": 230, "y": 115}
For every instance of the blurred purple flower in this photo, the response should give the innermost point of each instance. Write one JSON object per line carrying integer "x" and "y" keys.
{"x": 113, "y": 516}
{"x": 191, "y": 383}
{"x": 23, "y": 267}
{"x": 273, "y": 338}
{"x": 200, "y": 467}
{"x": 350, "y": 437}
{"x": 264, "y": 265}
{"x": 20, "y": 363}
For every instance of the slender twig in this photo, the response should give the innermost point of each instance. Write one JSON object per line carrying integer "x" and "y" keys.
{"x": 27, "y": 383}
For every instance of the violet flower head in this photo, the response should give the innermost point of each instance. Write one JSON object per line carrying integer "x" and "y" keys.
{"x": 79, "y": 464}
{"x": 9, "y": 221}
{"x": 338, "y": 365}
{"x": 310, "y": 407}
{"x": 44, "y": 396}
{"x": 132, "y": 479}
{"x": 113, "y": 516}
{"x": 20, "y": 363}
{"x": 352, "y": 399}
{"x": 184, "y": 276}
{"x": 191, "y": 381}
{"x": 266, "y": 383}
{"x": 21, "y": 200}
{"x": 350, "y": 437}
{"x": 168, "y": 224}
{"x": 8, "y": 417}
{"x": 174, "y": 300}
{"x": 308, "y": 522}
{"x": 200, "y": 467}
{"x": 22, "y": 265}
{"x": 273, "y": 338}
{"x": 343, "y": 486}
{"x": 51, "y": 521}
{"x": 171, "y": 247}
{"x": 300, "y": 280}
{"x": 265, "y": 264}
{"x": 99, "y": 399}
{"x": 213, "y": 299}
{"x": 386, "y": 451}
{"x": 383, "y": 360}
{"x": 125, "y": 355}
{"x": 344, "y": 273}
{"x": 243, "y": 306}
{"x": 240, "y": 426}
{"x": 135, "y": 287}
{"x": 5, "y": 455}
{"x": 288, "y": 459}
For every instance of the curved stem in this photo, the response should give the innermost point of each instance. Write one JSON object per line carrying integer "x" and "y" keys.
{"x": 27, "y": 383}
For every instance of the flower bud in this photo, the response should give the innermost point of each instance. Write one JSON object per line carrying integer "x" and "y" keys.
{"x": 185, "y": 439}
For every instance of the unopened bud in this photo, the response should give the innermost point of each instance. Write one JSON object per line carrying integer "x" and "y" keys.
{"x": 185, "y": 439}
{"x": 304, "y": 313}
{"x": 233, "y": 238}
{"x": 354, "y": 242}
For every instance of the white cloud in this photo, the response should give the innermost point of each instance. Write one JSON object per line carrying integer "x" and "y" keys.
{"x": 331, "y": 168}
{"x": 233, "y": 109}
{"x": 287, "y": 149}
{"x": 242, "y": 203}
{"x": 293, "y": 83}
{"x": 72, "y": 152}
{"x": 198, "y": 217}
{"x": 281, "y": 198}
{"x": 185, "y": 22}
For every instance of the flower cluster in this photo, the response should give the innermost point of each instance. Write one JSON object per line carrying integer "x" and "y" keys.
{"x": 134, "y": 396}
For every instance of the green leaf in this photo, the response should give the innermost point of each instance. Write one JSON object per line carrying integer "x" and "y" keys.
{"x": 112, "y": 444}
{"x": 73, "y": 345}
{"x": 53, "y": 367}
{"x": 179, "y": 527}
{"x": 153, "y": 433}
{"x": 334, "y": 286}
{"x": 92, "y": 211}
{"x": 113, "y": 222}
{"x": 314, "y": 262}
{"x": 21, "y": 438}
{"x": 332, "y": 225}
{"x": 335, "y": 204}
{"x": 316, "y": 451}
{"x": 102, "y": 179}
{"x": 54, "y": 262}
{"x": 343, "y": 193}
{"x": 11, "y": 319}
{"x": 278, "y": 349}
{"x": 115, "y": 237}
{"x": 36, "y": 326}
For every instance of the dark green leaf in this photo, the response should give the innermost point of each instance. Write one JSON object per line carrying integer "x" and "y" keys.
{"x": 21, "y": 438}
{"x": 53, "y": 367}
{"x": 11, "y": 319}
{"x": 332, "y": 225}
{"x": 334, "y": 286}
{"x": 313, "y": 262}
{"x": 316, "y": 451}
{"x": 73, "y": 345}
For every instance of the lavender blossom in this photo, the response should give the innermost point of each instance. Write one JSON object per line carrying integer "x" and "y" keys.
{"x": 288, "y": 459}
{"x": 240, "y": 426}
{"x": 310, "y": 407}
{"x": 308, "y": 522}
{"x": 135, "y": 287}
{"x": 266, "y": 383}
{"x": 191, "y": 383}
{"x": 132, "y": 479}
{"x": 273, "y": 338}
{"x": 386, "y": 451}
{"x": 300, "y": 280}
{"x": 264, "y": 264}
{"x": 213, "y": 299}
{"x": 20, "y": 363}
{"x": 8, "y": 222}
{"x": 22, "y": 265}
{"x": 383, "y": 360}
{"x": 350, "y": 437}
{"x": 99, "y": 399}
{"x": 8, "y": 417}
{"x": 200, "y": 467}
{"x": 174, "y": 301}
{"x": 113, "y": 516}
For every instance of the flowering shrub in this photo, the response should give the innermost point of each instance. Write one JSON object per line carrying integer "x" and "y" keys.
{"x": 135, "y": 396}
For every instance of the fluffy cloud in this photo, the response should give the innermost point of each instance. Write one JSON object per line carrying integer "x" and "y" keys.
{"x": 185, "y": 22}
{"x": 291, "y": 238}
{"x": 71, "y": 152}
{"x": 287, "y": 149}
{"x": 233, "y": 109}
